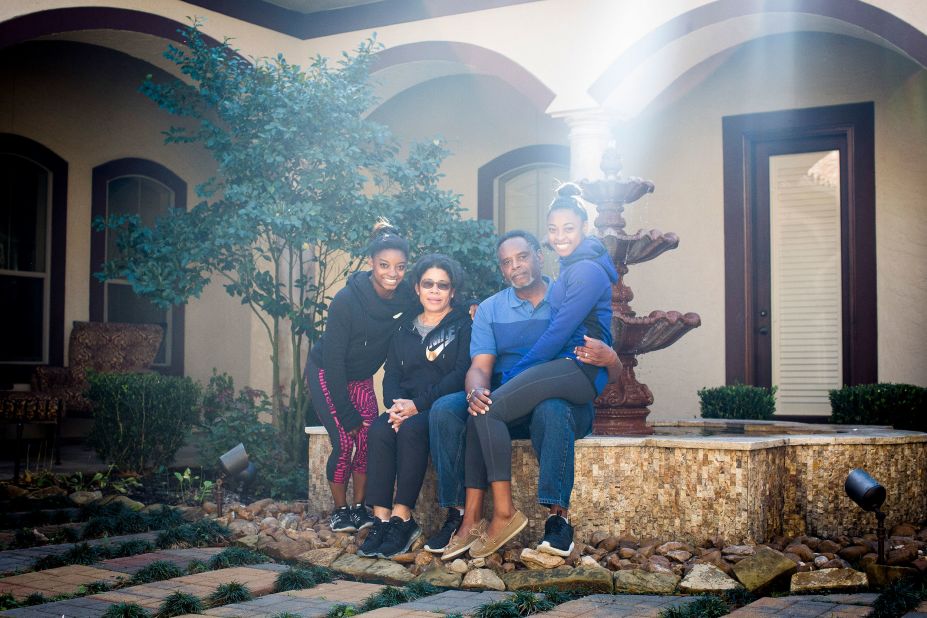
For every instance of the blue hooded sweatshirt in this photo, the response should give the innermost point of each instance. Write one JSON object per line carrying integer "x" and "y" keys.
{"x": 580, "y": 304}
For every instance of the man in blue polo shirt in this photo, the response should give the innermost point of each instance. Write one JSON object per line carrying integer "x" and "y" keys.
{"x": 505, "y": 327}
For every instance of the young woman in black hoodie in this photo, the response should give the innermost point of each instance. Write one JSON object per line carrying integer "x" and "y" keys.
{"x": 428, "y": 358}
{"x": 362, "y": 318}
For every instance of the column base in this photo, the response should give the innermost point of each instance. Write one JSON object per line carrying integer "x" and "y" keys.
{"x": 621, "y": 422}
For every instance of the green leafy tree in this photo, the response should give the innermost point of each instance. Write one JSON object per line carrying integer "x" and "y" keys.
{"x": 301, "y": 176}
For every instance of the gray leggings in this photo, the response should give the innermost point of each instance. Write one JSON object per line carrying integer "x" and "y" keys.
{"x": 489, "y": 445}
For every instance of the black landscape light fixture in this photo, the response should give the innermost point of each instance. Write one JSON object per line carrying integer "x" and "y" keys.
{"x": 869, "y": 494}
{"x": 235, "y": 468}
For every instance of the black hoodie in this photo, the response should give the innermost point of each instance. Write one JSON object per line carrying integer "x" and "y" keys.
{"x": 409, "y": 372}
{"x": 356, "y": 338}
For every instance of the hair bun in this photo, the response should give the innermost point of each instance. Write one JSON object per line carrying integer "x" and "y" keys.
{"x": 381, "y": 228}
{"x": 569, "y": 189}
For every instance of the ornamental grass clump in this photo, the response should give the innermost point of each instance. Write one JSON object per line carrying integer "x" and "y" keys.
{"x": 738, "y": 401}
{"x": 529, "y": 603}
{"x": 294, "y": 579}
{"x": 236, "y": 556}
{"x": 228, "y": 593}
{"x": 201, "y": 533}
{"x": 342, "y": 610}
{"x": 705, "y": 606}
{"x": 126, "y": 610}
{"x": 504, "y": 608}
{"x": 178, "y": 604}
{"x": 157, "y": 571}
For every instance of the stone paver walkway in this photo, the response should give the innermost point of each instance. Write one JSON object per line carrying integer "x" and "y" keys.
{"x": 310, "y": 602}
{"x": 830, "y": 605}
{"x": 181, "y": 557}
{"x": 636, "y": 605}
{"x": 16, "y": 560}
{"x": 259, "y": 580}
{"x": 919, "y": 612}
{"x": 52, "y": 582}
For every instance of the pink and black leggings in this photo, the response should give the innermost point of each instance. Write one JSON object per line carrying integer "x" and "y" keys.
{"x": 349, "y": 453}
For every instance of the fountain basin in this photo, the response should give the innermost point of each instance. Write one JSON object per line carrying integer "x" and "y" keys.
{"x": 660, "y": 329}
{"x": 746, "y": 488}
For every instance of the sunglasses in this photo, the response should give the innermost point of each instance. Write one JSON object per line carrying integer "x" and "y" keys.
{"x": 427, "y": 284}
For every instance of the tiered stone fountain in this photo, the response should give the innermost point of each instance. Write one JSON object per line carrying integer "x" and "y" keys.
{"x": 622, "y": 408}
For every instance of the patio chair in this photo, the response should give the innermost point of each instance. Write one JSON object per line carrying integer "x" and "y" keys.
{"x": 111, "y": 347}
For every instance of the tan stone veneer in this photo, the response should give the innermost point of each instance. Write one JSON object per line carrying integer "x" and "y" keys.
{"x": 746, "y": 488}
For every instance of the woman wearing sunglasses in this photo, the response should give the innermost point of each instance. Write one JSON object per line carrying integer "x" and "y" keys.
{"x": 428, "y": 358}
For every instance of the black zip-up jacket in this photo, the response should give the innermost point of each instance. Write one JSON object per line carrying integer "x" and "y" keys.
{"x": 357, "y": 336}
{"x": 409, "y": 372}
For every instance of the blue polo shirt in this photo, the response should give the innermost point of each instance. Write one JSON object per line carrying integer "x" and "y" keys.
{"x": 507, "y": 327}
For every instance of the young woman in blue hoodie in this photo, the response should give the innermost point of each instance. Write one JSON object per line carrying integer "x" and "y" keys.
{"x": 580, "y": 305}
{"x": 362, "y": 319}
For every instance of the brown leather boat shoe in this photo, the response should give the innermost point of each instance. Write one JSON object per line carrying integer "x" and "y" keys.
{"x": 485, "y": 546}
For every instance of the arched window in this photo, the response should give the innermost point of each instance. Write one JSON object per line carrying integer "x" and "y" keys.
{"x": 148, "y": 190}
{"x": 515, "y": 189}
{"x": 33, "y": 208}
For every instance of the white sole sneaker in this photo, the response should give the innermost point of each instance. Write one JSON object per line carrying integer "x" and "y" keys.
{"x": 547, "y": 548}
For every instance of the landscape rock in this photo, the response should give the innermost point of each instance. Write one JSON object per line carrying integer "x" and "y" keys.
{"x": 389, "y": 572}
{"x": 609, "y": 543}
{"x": 881, "y": 575}
{"x": 853, "y": 553}
{"x": 482, "y": 579}
{"x": 828, "y": 547}
{"x": 589, "y": 561}
{"x": 49, "y": 492}
{"x": 707, "y": 578}
{"x": 830, "y": 580}
{"x": 820, "y": 561}
{"x": 801, "y": 550}
{"x": 80, "y": 498}
{"x": 12, "y": 492}
{"x": 249, "y": 541}
{"x": 738, "y": 550}
{"x": 424, "y": 558}
{"x": 125, "y": 501}
{"x": 438, "y": 576}
{"x": 764, "y": 571}
{"x": 240, "y": 527}
{"x": 323, "y": 557}
{"x": 678, "y": 555}
{"x": 595, "y": 579}
{"x": 458, "y": 566}
{"x": 352, "y": 565}
{"x": 534, "y": 559}
{"x": 598, "y": 536}
{"x": 285, "y": 549}
{"x": 905, "y": 554}
{"x": 672, "y": 546}
{"x": 257, "y": 506}
{"x": 903, "y": 530}
{"x": 406, "y": 558}
{"x": 638, "y": 581}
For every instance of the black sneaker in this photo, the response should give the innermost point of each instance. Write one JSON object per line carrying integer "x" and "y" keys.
{"x": 361, "y": 517}
{"x": 370, "y": 548}
{"x": 442, "y": 537}
{"x": 341, "y": 520}
{"x": 399, "y": 537}
{"x": 558, "y": 537}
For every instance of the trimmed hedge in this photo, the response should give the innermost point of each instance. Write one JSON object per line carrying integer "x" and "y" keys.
{"x": 140, "y": 420}
{"x": 738, "y": 401}
{"x": 900, "y": 405}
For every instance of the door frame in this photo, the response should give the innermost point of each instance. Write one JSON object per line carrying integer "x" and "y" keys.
{"x": 743, "y": 136}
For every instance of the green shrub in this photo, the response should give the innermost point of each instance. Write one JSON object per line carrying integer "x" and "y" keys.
{"x": 196, "y": 566}
{"x": 236, "y": 419}
{"x": 899, "y": 405}
{"x": 236, "y": 556}
{"x": 140, "y": 420}
{"x": 388, "y": 596}
{"x": 126, "y": 610}
{"x": 342, "y": 610}
{"x": 231, "y": 592}
{"x": 529, "y": 603}
{"x": 900, "y": 597}
{"x": 705, "y": 606}
{"x": 294, "y": 579}
{"x": 180, "y": 603}
{"x": 202, "y": 533}
{"x": 504, "y": 608}
{"x": 738, "y": 401}
{"x": 157, "y": 571}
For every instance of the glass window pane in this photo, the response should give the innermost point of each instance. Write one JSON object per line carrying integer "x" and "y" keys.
{"x": 23, "y": 214}
{"x": 22, "y": 319}
{"x": 124, "y": 305}
{"x": 807, "y": 329}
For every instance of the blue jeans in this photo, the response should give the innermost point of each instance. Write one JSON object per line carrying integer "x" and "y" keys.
{"x": 553, "y": 426}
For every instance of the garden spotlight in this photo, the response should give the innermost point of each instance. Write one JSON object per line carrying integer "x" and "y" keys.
{"x": 235, "y": 467}
{"x": 866, "y": 492}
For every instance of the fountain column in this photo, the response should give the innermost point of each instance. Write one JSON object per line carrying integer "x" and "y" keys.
{"x": 623, "y": 407}
{"x": 590, "y": 135}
